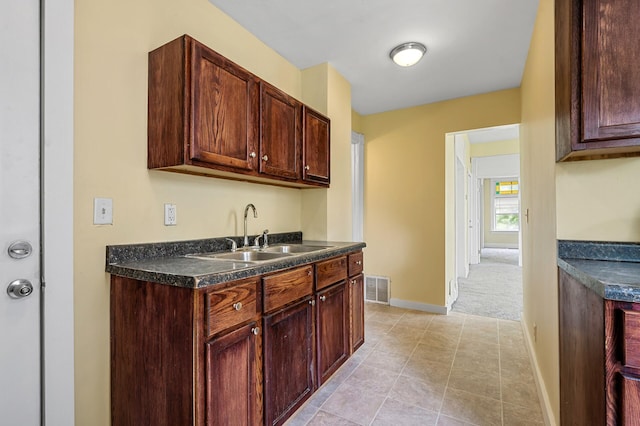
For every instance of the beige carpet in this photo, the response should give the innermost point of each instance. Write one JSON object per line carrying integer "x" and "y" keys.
{"x": 493, "y": 287}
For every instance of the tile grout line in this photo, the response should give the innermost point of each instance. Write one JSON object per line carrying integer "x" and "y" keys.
{"x": 446, "y": 386}
{"x": 399, "y": 374}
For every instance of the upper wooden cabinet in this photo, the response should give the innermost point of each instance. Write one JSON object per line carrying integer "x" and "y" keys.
{"x": 279, "y": 133}
{"x": 315, "y": 151}
{"x": 202, "y": 109}
{"x": 597, "y": 79}
{"x": 209, "y": 116}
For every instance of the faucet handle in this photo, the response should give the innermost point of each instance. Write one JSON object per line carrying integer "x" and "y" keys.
{"x": 234, "y": 245}
{"x": 265, "y": 240}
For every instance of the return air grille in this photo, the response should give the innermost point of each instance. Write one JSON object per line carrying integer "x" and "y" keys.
{"x": 376, "y": 289}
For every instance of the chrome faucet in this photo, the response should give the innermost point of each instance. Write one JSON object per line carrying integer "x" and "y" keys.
{"x": 255, "y": 214}
{"x": 265, "y": 239}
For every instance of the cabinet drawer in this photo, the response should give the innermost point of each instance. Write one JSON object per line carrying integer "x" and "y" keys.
{"x": 331, "y": 271}
{"x": 231, "y": 306}
{"x": 631, "y": 339}
{"x": 283, "y": 288}
{"x": 355, "y": 263}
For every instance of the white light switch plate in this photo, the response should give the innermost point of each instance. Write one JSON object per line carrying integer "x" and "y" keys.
{"x": 170, "y": 215}
{"x": 102, "y": 211}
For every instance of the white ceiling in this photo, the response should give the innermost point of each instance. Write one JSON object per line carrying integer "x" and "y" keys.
{"x": 473, "y": 46}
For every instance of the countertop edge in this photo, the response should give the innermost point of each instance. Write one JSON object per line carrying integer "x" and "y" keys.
{"x": 208, "y": 279}
{"x": 603, "y": 267}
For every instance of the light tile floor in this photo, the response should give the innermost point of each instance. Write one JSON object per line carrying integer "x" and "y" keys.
{"x": 421, "y": 369}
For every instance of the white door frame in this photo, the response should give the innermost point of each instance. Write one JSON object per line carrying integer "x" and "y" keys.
{"x": 475, "y": 214}
{"x": 57, "y": 244}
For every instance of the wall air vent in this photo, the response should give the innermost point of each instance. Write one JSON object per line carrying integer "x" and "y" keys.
{"x": 376, "y": 289}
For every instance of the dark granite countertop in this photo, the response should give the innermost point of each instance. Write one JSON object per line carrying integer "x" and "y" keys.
{"x": 166, "y": 263}
{"x": 612, "y": 270}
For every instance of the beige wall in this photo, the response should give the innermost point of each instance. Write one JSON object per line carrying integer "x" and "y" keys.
{"x": 538, "y": 186}
{"x": 597, "y": 200}
{"x": 405, "y": 188}
{"x": 491, "y": 238}
{"x": 112, "y": 40}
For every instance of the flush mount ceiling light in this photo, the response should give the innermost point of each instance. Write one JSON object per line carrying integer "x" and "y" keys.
{"x": 408, "y": 54}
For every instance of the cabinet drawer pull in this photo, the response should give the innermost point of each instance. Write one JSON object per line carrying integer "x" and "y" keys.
{"x": 323, "y": 298}
{"x": 359, "y": 262}
{"x": 265, "y": 158}
{"x": 252, "y": 155}
{"x": 255, "y": 330}
{"x": 312, "y": 302}
{"x": 237, "y": 306}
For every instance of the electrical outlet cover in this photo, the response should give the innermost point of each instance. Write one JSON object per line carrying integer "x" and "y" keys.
{"x": 170, "y": 215}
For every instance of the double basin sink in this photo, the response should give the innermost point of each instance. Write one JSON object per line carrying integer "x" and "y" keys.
{"x": 257, "y": 254}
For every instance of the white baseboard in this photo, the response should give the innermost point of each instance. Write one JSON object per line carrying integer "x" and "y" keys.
{"x": 543, "y": 395}
{"x": 425, "y": 307}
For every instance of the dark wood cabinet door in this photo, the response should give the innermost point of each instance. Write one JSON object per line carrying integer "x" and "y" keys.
{"x": 288, "y": 359}
{"x": 279, "y": 133}
{"x": 630, "y": 400}
{"x": 611, "y": 74}
{"x": 597, "y": 78}
{"x": 332, "y": 329}
{"x": 356, "y": 312}
{"x": 224, "y": 115}
{"x": 315, "y": 151}
{"x": 233, "y": 395}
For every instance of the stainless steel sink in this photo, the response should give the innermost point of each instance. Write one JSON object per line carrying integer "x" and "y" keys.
{"x": 293, "y": 248}
{"x": 256, "y": 254}
{"x": 243, "y": 256}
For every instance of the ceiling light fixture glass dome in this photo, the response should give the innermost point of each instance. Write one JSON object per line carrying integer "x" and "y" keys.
{"x": 408, "y": 54}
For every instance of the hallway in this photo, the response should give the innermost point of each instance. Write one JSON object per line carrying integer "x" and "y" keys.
{"x": 493, "y": 287}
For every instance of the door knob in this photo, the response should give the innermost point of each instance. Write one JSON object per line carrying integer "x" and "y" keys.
{"x": 265, "y": 158}
{"x": 307, "y": 167}
{"x": 252, "y": 155}
{"x": 323, "y": 298}
{"x": 19, "y": 288}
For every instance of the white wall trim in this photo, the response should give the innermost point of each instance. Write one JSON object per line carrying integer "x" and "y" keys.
{"x": 57, "y": 155}
{"x": 501, "y": 245}
{"x": 543, "y": 395}
{"x": 425, "y": 307}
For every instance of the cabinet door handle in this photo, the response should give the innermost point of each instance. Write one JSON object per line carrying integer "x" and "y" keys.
{"x": 237, "y": 306}
{"x": 312, "y": 302}
{"x": 309, "y": 273}
{"x": 353, "y": 282}
{"x": 255, "y": 330}
{"x": 252, "y": 155}
{"x": 323, "y": 298}
{"x": 265, "y": 158}
{"x": 359, "y": 262}
{"x": 307, "y": 167}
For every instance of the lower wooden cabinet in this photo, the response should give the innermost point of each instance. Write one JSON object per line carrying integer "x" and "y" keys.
{"x": 333, "y": 329}
{"x": 289, "y": 377}
{"x": 233, "y": 378}
{"x": 247, "y": 352}
{"x": 599, "y": 368}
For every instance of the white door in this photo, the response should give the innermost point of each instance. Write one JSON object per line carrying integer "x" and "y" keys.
{"x": 20, "y": 212}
